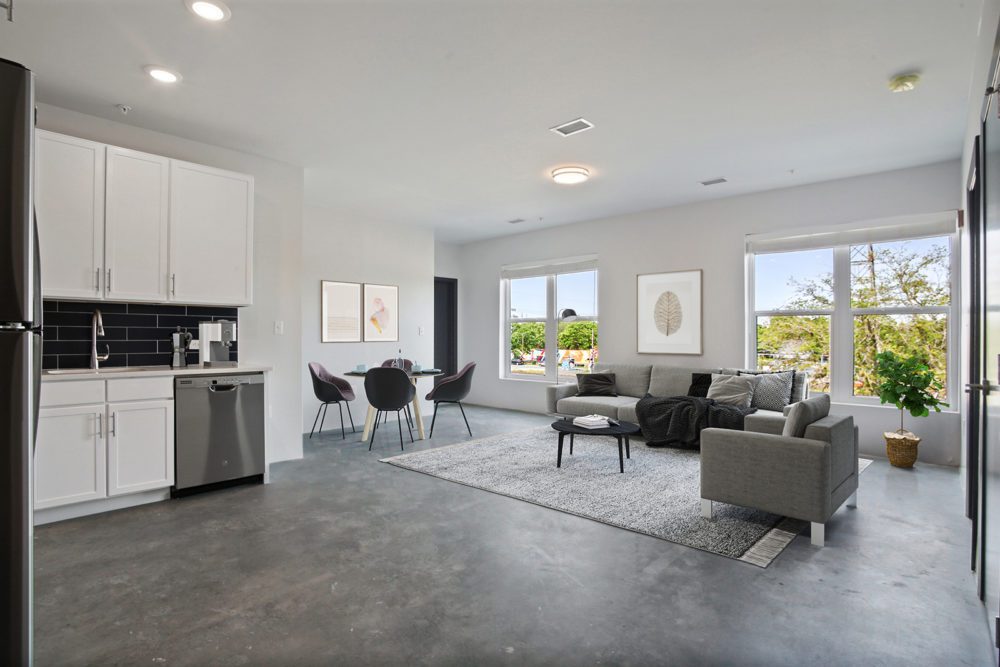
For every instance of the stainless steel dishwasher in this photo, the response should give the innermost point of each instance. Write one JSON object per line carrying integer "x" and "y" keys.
{"x": 219, "y": 431}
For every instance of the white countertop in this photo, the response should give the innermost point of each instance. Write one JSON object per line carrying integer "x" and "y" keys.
{"x": 148, "y": 371}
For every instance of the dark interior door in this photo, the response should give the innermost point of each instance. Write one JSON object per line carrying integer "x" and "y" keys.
{"x": 446, "y": 325}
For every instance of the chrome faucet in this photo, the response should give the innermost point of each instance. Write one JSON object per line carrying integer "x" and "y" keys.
{"x": 97, "y": 329}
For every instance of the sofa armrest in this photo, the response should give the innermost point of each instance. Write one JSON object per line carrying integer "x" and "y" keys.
{"x": 764, "y": 421}
{"x": 555, "y": 393}
{"x": 783, "y": 475}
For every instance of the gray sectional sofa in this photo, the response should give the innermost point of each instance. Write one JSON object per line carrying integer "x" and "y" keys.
{"x": 635, "y": 381}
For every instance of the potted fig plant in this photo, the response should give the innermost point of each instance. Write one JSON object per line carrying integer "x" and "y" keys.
{"x": 910, "y": 385}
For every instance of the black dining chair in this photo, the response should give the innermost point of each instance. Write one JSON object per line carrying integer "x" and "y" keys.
{"x": 330, "y": 389}
{"x": 389, "y": 390}
{"x": 407, "y": 366}
{"x": 453, "y": 389}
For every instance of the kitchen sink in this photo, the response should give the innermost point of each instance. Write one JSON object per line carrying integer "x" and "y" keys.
{"x": 106, "y": 371}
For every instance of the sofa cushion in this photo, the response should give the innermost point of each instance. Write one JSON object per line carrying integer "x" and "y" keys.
{"x": 596, "y": 384}
{"x": 666, "y": 381}
{"x": 732, "y": 389}
{"x": 630, "y": 380}
{"x": 805, "y": 413}
{"x": 700, "y": 382}
{"x": 626, "y": 413}
{"x": 594, "y": 405}
{"x": 800, "y": 383}
{"x": 773, "y": 390}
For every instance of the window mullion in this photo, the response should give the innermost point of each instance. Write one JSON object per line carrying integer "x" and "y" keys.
{"x": 841, "y": 328}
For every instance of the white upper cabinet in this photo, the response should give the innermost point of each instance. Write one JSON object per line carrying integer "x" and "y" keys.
{"x": 211, "y": 235}
{"x": 136, "y": 233}
{"x": 69, "y": 205}
{"x": 120, "y": 225}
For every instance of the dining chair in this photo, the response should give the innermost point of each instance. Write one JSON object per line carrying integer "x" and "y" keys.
{"x": 328, "y": 389}
{"x": 389, "y": 390}
{"x": 453, "y": 389}
{"x": 407, "y": 366}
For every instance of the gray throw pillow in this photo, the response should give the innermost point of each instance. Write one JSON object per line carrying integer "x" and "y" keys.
{"x": 732, "y": 389}
{"x": 804, "y": 413}
{"x": 596, "y": 384}
{"x": 773, "y": 390}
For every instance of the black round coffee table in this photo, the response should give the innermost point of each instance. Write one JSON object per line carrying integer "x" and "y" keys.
{"x": 621, "y": 432}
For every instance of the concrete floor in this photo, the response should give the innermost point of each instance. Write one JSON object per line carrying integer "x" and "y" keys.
{"x": 344, "y": 560}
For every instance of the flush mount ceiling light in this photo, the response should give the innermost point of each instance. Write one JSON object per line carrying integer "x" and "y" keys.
{"x": 903, "y": 83}
{"x": 570, "y": 175}
{"x": 210, "y": 10}
{"x": 162, "y": 74}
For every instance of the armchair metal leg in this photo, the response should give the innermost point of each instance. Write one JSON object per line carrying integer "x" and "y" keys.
{"x": 409, "y": 416}
{"x": 853, "y": 500}
{"x": 706, "y": 509}
{"x": 315, "y": 420}
{"x": 351, "y": 417}
{"x": 817, "y": 534}
{"x": 399, "y": 425}
{"x": 464, "y": 417}
{"x": 323, "y": 420}
{"x": 371, "y": 439}
{"x": 343, "y": 433}
{"x": 410, "y": 429}
{"x": 434, "y": 419}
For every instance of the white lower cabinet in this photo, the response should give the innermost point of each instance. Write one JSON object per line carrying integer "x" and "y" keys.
{"x": 70, "y": 455}
{"x": 140, "y": 446}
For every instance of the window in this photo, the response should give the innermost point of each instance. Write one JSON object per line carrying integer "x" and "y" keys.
{"x": 830, "y": 310}
{"x": 551, "y": 307}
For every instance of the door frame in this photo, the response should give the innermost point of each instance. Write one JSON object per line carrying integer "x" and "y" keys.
{"x": 452, "y": 323}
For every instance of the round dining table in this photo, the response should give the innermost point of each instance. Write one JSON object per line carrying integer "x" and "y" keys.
{"x": 418, "y": 419}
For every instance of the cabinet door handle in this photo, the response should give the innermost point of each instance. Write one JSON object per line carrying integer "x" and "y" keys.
{"x": 173, "y": 283}
{"x": 100, "y": 425}
{"x": 97, "y": 280}
{"x": 107, "y": 283}
{"x": 113, "y": 424}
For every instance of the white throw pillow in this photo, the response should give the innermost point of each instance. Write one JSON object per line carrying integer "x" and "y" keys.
{"x": 733, "y": 389}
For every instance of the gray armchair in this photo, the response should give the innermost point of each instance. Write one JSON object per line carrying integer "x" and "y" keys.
{"x": 806, "y": 471}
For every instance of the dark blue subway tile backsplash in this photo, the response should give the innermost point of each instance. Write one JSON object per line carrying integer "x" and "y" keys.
{"x": 138, "y": 334}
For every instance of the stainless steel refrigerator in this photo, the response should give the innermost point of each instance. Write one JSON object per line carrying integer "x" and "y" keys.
{"x": 20, "y": 357}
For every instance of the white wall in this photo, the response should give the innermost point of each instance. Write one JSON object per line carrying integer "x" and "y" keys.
{"x": 343, "y": 247}
{"x": 709, "y": 236}
{"x": 278, "y": 193}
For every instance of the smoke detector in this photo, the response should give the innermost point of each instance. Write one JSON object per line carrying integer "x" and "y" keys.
{"x": 572, "y": 127}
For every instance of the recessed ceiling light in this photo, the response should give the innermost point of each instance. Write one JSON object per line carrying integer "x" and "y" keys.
{"x": 210, "y": 10}
{"x": 903, "y": 83}
{"x": 162, "y": 74}
{"x": 570, "y": 175}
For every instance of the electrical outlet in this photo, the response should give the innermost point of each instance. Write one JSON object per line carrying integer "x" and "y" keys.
{"x": 279, "y": 328}
{"x": 420, "y": 331}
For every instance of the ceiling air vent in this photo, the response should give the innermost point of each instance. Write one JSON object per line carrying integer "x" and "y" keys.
{"x": 515, "y": 221}
{"x": 572, "y": 127}
{"x": 714, "y": 181}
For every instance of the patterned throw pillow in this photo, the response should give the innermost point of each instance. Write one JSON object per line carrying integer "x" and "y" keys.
{"x": 774, "y": 390}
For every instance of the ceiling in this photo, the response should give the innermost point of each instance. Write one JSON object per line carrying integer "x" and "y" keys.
{"x": 436, "y": 113}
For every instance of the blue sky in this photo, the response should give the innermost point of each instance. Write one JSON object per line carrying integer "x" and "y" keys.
{"x": 573, "y": 290}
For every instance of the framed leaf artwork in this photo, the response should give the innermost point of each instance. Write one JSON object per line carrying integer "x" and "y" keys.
{"x": 668, "y": 313}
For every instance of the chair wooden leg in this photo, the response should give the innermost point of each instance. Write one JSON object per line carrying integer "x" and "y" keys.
{"x": 351, "y": 417}
{"x": 464, "y": 417}
{"x": 343, "y": 433}
{"x": 434, "y": 418}
{"x": 315, "y": 420}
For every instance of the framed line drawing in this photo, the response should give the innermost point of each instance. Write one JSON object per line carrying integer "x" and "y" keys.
{"x": 340, "y": 312}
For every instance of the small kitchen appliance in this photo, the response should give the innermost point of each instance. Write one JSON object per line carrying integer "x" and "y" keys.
{"x": 180, "y": 341}
{"x": 214, "y": 340}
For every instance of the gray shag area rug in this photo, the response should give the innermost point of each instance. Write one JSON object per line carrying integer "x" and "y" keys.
{"x": 658, "y": 495}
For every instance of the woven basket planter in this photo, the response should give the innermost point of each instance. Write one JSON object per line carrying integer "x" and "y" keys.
{"x": 901, "y": 448}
